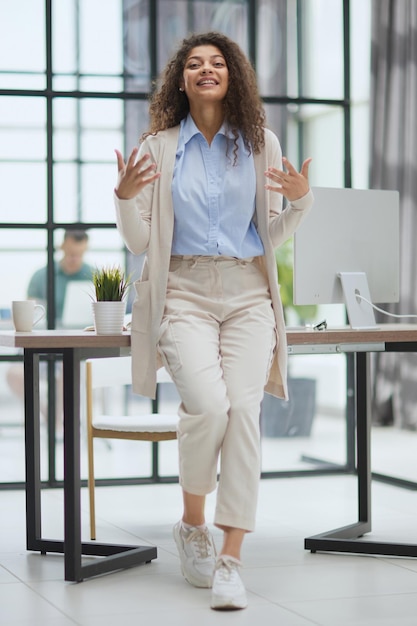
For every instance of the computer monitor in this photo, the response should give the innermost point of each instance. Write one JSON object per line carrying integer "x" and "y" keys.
{"x": 349, "y": 242}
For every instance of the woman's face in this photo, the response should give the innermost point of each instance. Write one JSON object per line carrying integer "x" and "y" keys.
{"x": 205, "y": 76}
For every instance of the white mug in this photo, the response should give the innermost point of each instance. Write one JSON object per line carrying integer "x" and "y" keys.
{"x": 25, "y": 314}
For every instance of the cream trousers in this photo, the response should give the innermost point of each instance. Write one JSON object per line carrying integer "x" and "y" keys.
{"x": 217, "y": 340}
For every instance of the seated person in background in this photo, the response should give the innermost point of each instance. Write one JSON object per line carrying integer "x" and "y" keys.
{"x": 70, "y": 267}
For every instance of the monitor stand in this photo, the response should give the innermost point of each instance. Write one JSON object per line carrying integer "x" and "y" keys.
{"x": 361, "y": 314}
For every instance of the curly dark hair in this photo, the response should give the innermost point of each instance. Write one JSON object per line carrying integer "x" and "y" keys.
{"x": 243, "y": 107}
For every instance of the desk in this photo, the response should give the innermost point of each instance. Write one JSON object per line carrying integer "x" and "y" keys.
{"x": 389, "y": 338}
{"x": 74, "y": 346}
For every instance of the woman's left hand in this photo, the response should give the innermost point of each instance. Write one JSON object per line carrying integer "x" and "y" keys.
{"x": 292, "y": 184}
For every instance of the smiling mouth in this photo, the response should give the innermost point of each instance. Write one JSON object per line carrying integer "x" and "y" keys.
{"x": 207, "y": 82}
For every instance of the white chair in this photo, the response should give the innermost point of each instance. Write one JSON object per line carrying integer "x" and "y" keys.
{"x": 116, "y": 372}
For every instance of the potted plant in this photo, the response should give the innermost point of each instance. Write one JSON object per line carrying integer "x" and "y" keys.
{"x": 293, "y": 418}
{"x": 110, "y": 289}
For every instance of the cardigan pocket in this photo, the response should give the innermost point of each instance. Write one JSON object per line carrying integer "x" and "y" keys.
{"x": 167, "y": 346}
{"x": 141, "y": 310}
{"x": 274, "y": 349}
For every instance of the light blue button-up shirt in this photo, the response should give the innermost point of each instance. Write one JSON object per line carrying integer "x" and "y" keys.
{"x": 214, "y": 200}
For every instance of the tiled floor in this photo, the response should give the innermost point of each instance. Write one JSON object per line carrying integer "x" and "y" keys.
{"x": 287, "y": 586}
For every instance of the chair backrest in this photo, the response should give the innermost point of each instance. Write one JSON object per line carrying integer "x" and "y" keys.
{"x": 111, "y": 372}
{"x": 115, "y": 371}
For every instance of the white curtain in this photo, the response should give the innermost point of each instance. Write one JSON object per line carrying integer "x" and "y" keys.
{"x": 393, "y": 165}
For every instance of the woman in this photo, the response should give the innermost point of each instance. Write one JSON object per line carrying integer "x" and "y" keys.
{"x": 207, "y": 305}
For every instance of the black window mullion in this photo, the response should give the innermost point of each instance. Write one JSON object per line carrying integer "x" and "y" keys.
{"x": 153, "y": 40}
{"x": 252, "y": 30}
{"x": 346, "y": 92}
{"x": 49, "y": 166}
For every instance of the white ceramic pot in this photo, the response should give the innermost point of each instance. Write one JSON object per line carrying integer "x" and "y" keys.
{"x": 109, "y": 317}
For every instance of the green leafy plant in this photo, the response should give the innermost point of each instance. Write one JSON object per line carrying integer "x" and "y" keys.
{"x": 285, "y": 263}
{"x": 110, "y": 283}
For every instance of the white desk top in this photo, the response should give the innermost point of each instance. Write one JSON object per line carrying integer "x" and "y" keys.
{"x": 63, "y": 339}
{"x": 388, "y": 333}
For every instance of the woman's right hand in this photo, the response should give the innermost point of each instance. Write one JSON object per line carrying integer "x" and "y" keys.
{"x": 133, "y": 177}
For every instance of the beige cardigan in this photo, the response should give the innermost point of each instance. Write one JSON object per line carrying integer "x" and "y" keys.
{"x": 146, "y": 223}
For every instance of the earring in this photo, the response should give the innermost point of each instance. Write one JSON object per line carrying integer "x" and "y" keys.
{"x": 180, "y": 89}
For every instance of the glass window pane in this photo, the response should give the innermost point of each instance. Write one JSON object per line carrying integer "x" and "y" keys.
{"x": 97, "y": 145}
{"x": 95, "y": 124}
{"x": 22, "y": 44}
{"x": 323, "y": 140}
{"x": 229, "y": 17}
{"x": 277, "y": 119}
{"x": 271, "y": 54}
{"x": 66, "y": 83}
{"x": 311, "y": 131}
{"x": 86, "y": 133}
{"x": 101, "y": 35}
{"x": 22, "y": 128}
{"x": 360, "y": 37}
{"x": 29, "y": 204}
{"x": 136, "y": 122}
{"x": 101, "y": 128}
{"x": 172, "y": 28}
{"x": 101, "y": 113}
{"x": 291, "y": 50}
{"x": 106, "y": 247}
{"x": 21, "y": 80}
{"x": 64, "y": 36}
{"x": 65, "y": 137}
{"x": 136, "y": 46}
{"x": 360, "y": 145}
{"x": 178, "y": 18}
{"x": 322, "y": 59}
{"x": 84, "y": 192}
{"x": 97, "y": 184}
{"x": 66, "y": 192}
{"x": 101, "y": 83}
{"x": 360, "y": 90}
{"x": 22, "y": 250}
{"x": 87, "y": 39}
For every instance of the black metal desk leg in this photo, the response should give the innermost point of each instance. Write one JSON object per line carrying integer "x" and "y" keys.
{"x": 344, "y": 539}
{"x": 32, "y": 451}
{"x": 72, "y": 479}
{"x": 363, "y": 437}
{"x": 116, "y": 556}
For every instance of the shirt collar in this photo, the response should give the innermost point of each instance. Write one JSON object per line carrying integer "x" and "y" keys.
{"x": 189, "y": 129}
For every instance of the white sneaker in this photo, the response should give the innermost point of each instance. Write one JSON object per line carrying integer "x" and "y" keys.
{"x": 228, "y": 590}
{"x": 197, "y": 554}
